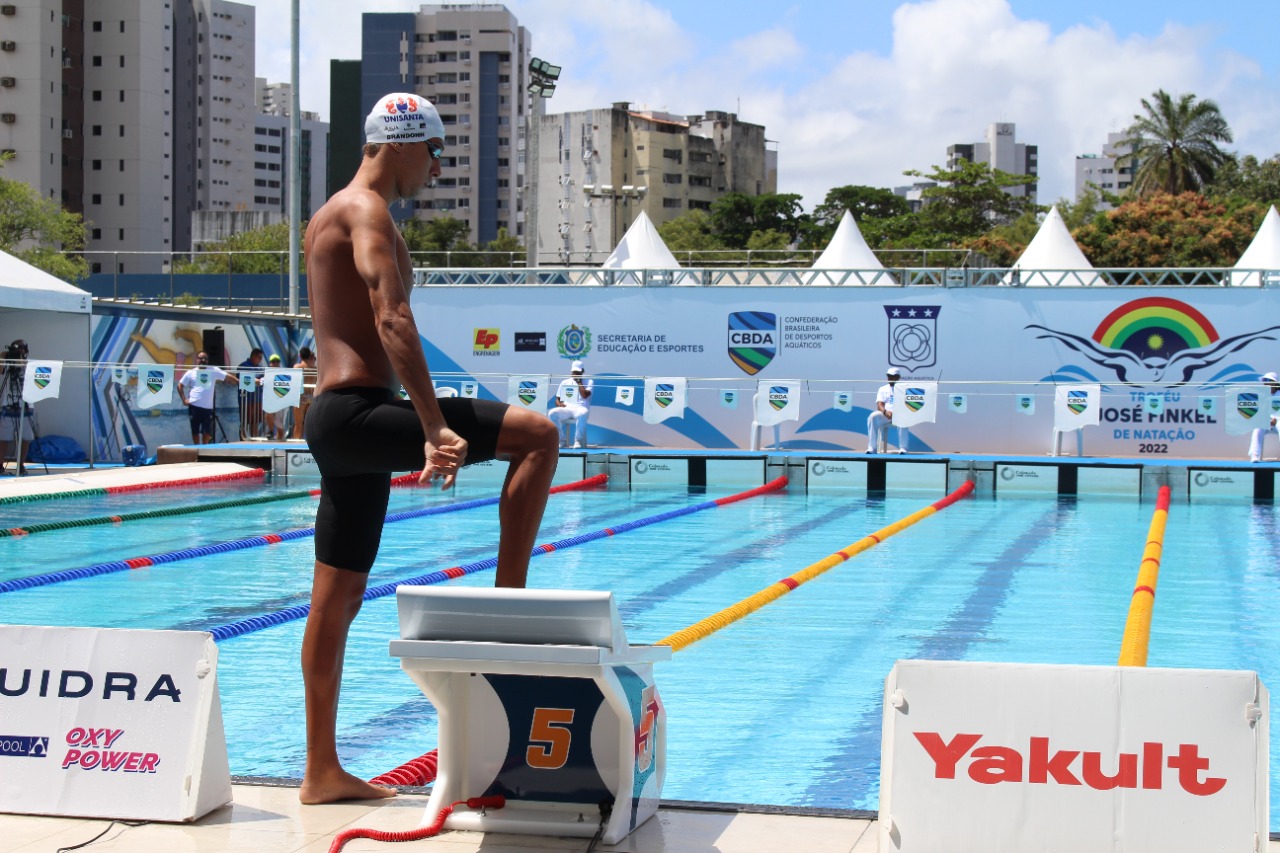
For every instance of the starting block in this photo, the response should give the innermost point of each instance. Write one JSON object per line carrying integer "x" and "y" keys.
{"x": 540, "y": 700}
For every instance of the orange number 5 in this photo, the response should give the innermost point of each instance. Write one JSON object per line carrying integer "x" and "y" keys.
{"x": 549, "y": 738}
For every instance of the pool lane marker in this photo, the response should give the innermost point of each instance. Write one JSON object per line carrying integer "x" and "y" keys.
{"x": 713, "y": 623}
{"x": 1137, "y": 627}
{"x": 251, "y": 542}
{"x": 290, "y": 614}
{"x": 67, "y": 524}
{"x": 248, "y": 474}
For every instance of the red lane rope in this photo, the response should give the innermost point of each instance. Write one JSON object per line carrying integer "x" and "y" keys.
{"x": 421, "y": 832}
{"x": 247, "y": 474}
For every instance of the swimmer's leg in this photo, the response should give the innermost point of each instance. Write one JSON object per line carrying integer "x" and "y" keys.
{"x": 335, "y": 601}
{"x": 531, "y": 443}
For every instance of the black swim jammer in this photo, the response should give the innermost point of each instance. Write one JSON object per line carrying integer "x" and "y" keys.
{"x": 359, "y": 437}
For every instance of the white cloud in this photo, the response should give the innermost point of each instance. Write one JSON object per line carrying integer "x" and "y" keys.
{"x": 954, "y": 67}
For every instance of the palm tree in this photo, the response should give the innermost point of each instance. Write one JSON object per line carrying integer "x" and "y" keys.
{"x": 1173, "y": 147}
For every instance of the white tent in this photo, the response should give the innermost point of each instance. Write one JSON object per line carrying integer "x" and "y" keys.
{"x": 641, "y": 249}
{"x": 1263, "y": 253}
{"x": 53, "y": 318}
{"x": 848, "y": 250}
{"x": 1052, "y": 257}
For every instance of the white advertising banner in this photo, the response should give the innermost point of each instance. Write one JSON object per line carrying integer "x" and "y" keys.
{"x": 529, "y": 392}
{"x": 110, "y": 723}
{"x": 777, "y": 401}
{"x": 43, "y": 381}
{"x": 1076, "y": 406}
{"x": 915, "y": 403}
{"x": 664, "y": 397}
{"x": 1180, "y": 343}
{"x": 625, "y": 395}
{"x": 1245, "y": 408}
{"x": 155, "y": 385}
{"x": 282, "y": 389}
{"x": 1133, "y": 759}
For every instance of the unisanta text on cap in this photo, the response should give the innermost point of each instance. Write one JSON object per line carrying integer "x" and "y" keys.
{"x": 403, "y": 117}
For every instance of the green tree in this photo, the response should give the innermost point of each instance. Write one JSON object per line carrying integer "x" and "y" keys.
{"x": 38, "y": 231}
{"x": 502, "y": 251}
{"x": 429, "y": 240}
{"x": 966, "y": 202}
{"x": 1173, "y": 145}
{"x": 261, "y": 250}
{"x": 867, "y": 204}
{"x": 691, "y": 239}
{"x": 736, "y": 216}
{"x": 1162, "y": 230}
{"x": 1004, "y": 244}
{"x": 1248, "y": 179}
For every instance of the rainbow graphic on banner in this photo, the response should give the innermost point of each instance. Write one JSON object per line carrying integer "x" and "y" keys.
{"x": 1155, "y": 326}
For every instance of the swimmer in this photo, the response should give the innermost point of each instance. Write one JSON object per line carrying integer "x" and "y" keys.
{"x": 359, "y": 430}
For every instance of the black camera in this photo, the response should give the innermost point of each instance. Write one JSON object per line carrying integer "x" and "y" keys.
{"x": 16, "y": 351}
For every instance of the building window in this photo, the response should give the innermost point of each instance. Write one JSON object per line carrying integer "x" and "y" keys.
{"x": 122, "y": 61}
{"x": 97, "y": 165}
{"x": 97, "y": 94}
{"x": 97, "y": 130}
{"x": 122, "y": 130}
{"x": 97, "y": 233}
{"x": 121, "y": 199}
{"x": 97, "y": 199}
{"x": 121, "y": 231}
{"x": 672, "y": 178}
{"x": 97, "y": 62}
{"x": 122, "y": 165}
{"x": 122, "y": 96}
{"x": 671, "y": 202}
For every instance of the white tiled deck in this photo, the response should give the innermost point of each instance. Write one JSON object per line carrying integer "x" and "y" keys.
{"x": 270, "y": 820}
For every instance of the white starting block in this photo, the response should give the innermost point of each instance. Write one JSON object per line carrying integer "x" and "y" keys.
{"x": 541, "y": 700}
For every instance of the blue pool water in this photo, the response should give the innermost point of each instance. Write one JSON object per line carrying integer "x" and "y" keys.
{"x": 782, "y": 708}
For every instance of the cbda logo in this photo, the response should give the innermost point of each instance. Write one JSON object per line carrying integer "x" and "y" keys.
{"x": 527, "y": 392}
{"x": 915, "y": 399}
{"x": 1077, "y": 402}
{"x": 664, "y": 395}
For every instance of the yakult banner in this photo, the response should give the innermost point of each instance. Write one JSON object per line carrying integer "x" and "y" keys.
{"x": 281, "y": 389}
{"x": 155, "y": 385}
{"x": 1180, "y": 343}
{"x": 1072, "y": 758}
{"x": 528, "y": 392}
{"x": 777, "y": 401}
{"x": 1246, "y": 408}
{"x": 915, "y": 403}
{"x": 43, "y": 381}
{"x": 664, "y": 397}
{"x": 110, "y": 723}
{"x": 1076, "y": 406}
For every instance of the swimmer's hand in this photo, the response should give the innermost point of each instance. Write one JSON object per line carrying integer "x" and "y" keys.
{"x": 445, "y": 452}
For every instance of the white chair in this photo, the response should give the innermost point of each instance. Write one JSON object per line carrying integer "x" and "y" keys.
{"x": 756, "y": 426}
{"x": 1056, "y": 450}
{"x": 446, "y": 391}
{"x": 568, "y": 426}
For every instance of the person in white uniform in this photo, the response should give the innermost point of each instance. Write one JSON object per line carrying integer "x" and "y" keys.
{"x": 573, "y": 403}
{"x": 882, "y": 417}
{"x": 1260, "y": 434}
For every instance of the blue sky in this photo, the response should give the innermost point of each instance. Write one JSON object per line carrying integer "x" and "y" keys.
{"x": 856, "y": 92}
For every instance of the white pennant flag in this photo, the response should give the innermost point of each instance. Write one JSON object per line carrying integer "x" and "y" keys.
{"x": 957, "y": 404}
{"x": 915, "y": 403}
{"x": 1275, "y": 405}
{"x": 248, "y": 381}
{"x": 1076, "y": 406}
{"x": 1246, "y": 408}
{"x": 471, "y": 390}
{"x": 155, "y": 385}
{"x": 624, "y": 395}
{"x": 43, "y": 381}
{"x": 570, "y": 393}
{"x": 777, "y": 400}
{"x": 843, "y": 401}
{"x": 1153, "y": 404}
{"x": 281, "y": 389}
{"x": 729, "y": 398}
{"x": 1207, "y": 406}
{"x": 1025, "y": 403}
{"x": 528, "y": 392}
{"x": 119, "y": 375}
{"x": 664, "y": 397}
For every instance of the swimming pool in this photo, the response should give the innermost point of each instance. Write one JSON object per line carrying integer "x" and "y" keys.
{"x": 781, "y": 708}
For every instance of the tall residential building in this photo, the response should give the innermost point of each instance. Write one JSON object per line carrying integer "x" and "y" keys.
{"x": 1103, "y": 171}
{"x": 471, "y": 60}
{"x": 346, "y": 123}
{"x": 1002, "y": 151}
{"x": 135, "y": 113}
{"x": 271, "y": 163}
{"x": 597, "y": 169}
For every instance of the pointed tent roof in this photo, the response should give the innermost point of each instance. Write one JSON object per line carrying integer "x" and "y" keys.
{"x": 641, "y": 248}
{"x": 1053, "y": 248}
{"x": 25, "y": 286}
{"x": 848, "y": 250}
{"x": 1263, "y": 252}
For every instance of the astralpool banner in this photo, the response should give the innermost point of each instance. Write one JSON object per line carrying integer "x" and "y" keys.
{"x": 1096, "y": 758}
{"x": 1182, "y": 344}
{"x": 110, "y": 724}
{"x": 281, "y": 389}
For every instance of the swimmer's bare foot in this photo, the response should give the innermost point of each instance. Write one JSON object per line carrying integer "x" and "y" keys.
{"x": 340, "y": 786}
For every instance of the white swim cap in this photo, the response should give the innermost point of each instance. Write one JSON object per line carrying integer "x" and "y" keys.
{"x": 576, "y": 367}
{"x": 1270, "y": 377}
{"x": 403, "y": 117}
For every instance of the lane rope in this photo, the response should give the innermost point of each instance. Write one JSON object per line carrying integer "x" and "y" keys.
{"x": 300, "y": 611}
{"x": 248, "y": 474}
{"x": 33, "y": 581}
{"x": 1137, "y": 627}
{"x": 713, "y": 623}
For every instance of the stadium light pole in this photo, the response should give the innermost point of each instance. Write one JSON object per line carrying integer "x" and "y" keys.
{"x": 543, "y": 76}
{"x": 295, "y": 167}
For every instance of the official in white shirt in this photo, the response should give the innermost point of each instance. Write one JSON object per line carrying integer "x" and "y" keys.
{"x": 573, "y": 403}
{"x": 882, "y": 417}
{"x": 1260, "y": 434}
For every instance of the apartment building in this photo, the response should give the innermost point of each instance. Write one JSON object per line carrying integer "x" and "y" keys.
{"x": 1001, "y": 150}
{"x": 598, "y": 169}
{"x": 271, "y": 162}
{"x": 1103, "y": 170}
{"x": 471, "y": 60}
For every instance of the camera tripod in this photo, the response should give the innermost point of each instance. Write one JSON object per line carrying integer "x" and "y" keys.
{"x": 15, "y": 414}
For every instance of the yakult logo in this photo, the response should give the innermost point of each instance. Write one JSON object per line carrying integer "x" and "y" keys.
{"x": 1042, "y": 765}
